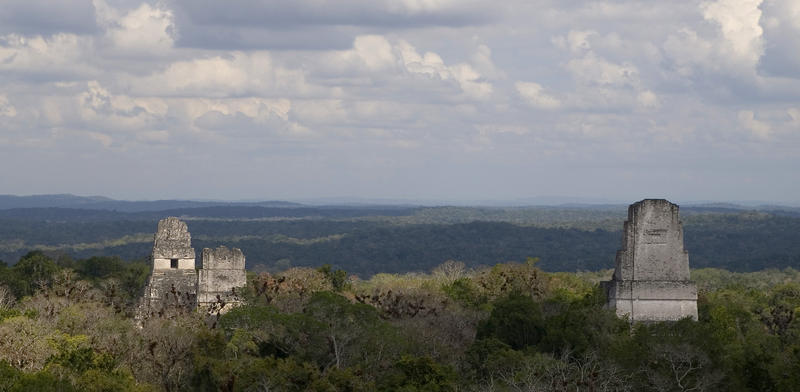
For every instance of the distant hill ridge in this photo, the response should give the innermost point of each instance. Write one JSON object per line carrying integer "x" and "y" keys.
{"x": 8, "y": 202}
{"x": 51, "y": 206}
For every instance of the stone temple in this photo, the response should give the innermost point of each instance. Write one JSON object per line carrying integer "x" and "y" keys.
{"x": 651, "y": 279}
{"x": 176, "y": 284}
{"x": 222, "y": 273}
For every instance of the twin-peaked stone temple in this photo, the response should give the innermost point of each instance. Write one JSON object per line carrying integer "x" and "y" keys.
{"x": 651, "y": 279}
{"x": 176, "y": 284}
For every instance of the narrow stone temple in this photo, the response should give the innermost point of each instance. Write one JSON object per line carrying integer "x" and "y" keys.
{"x": 651, "y": 279}
{"x": 175, "y": 283}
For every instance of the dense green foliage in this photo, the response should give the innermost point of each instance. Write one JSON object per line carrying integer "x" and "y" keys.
{"x": 366, "y": 241}
{"x": 35, "y": 270}
{"x": 66, "y": 325}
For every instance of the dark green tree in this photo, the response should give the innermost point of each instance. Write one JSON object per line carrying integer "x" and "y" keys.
{"x": 515, "y": 320}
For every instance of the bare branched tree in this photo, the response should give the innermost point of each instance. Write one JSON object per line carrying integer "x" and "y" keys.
{"x": 24, "y": 343}
{"x": 566, "y": 373}
{"x": 450, "y": 271}
{"x": 7, "y": 299}
{"x": 164, "y": 352}
{"x": 680, "y": 367}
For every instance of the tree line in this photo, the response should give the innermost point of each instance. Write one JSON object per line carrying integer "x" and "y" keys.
{"x": 744, "y": 241}
{"x": 67, "y": 325}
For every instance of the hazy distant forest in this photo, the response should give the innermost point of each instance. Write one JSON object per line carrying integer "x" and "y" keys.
{"x": 368, "y": 240}
{"x": 395, "y": 299}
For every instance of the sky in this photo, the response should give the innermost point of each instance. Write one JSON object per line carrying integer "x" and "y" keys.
{"x": 401, "y": 99}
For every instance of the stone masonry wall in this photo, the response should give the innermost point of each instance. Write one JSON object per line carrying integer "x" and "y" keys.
{"x": 172, "y": 242}
{"x": 651, "y": 279}
{"x": 222, "y": 273}
{"x": 173, "y": 283}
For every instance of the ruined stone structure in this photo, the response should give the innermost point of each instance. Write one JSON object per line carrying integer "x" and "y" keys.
{"x": 176, "y": 284}
{"x": 222, "y": 273}
{"x": 173, "y": 282}
{"x": 651, "y": 279}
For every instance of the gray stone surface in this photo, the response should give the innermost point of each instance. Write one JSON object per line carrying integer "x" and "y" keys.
{"x": 170, "y": 290}
{"x": 172, "y": 285}
{"x": 222, "y": 273}
{"x": 172, "y": 242}
{"x": 651, "y": 279}
{"x": 175, "y": 284}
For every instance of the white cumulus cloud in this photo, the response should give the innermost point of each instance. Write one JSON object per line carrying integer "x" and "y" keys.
{"x": 395, "y": 61}
{"x": 60, "y": 56}
{"x": 534, "y": 95}
{"x": 648, "y": 99}
{"x": 236, "y": 73}
{"x": 315, "y": 89}
{"x": 738, "y": 21}
{"x": 144, "y": 30}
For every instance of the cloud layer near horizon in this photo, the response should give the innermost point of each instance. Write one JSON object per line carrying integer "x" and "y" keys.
{"x": 402, "y": 99}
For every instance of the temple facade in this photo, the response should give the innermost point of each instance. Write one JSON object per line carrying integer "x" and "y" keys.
{"x": 651, "y": 279}
{"x": 176, "y": 283}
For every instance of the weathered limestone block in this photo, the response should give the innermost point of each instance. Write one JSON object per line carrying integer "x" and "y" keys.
{"x": 222, "y": 258}
{"x": 222, "y": 273}
{"x": 173, "y": 283}
{"x": 170, "y": 290}
{"x": 651, "y": 279}
{"x": 172, "y": 247}
{"x": 176, "y": 285}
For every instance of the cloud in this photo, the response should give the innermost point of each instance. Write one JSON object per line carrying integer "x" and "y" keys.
{"x": 143, "y": 30}
{"x": 431, "y": 64}
{"x": 400, "y": 65}
{"x": 592, "y": 69}
{"x": 234, "y": 74}
{"x": 482, "y": 61}
{"x": 794, "y": 115}
{"x": 758, "y": 128}
{"x": 575, "y": 40}
{"x": 105, "y": 140}
{"x": 6, "y": 108}
{"x": 242, "y": 114}
{"x": 374, "y": 51}
{"x": 599, "y": 84}
{"x": 781, "y": 22}
{"x": 240, "y": 125}
{"x": 734, "y": 45}
{"x": 58, "y": 57}
{"x": 329, "y": 92}
{"x": 687, "y": 50}
{"x": 534, "y": 95}
{"x": 648, "y": 99}
{"x": 107, "y": 113}
{"x": 738, "y": 21}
